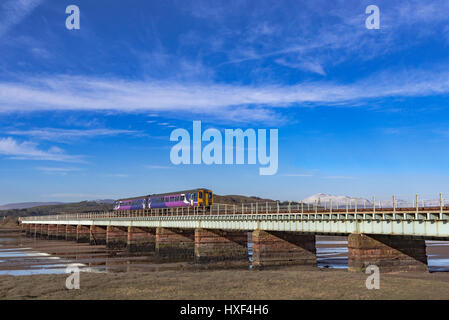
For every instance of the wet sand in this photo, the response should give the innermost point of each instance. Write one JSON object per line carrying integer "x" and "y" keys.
{"x": 21, "y": 255}
{"x": 114, "y": 274}
{"x": 286, "y": 283}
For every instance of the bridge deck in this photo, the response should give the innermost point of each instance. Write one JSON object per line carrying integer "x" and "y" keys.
{"x": 429, "y": 223}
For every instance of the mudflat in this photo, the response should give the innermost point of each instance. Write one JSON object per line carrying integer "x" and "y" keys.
{"x": 283, "y": 283}
{"x": 188, "y": 281}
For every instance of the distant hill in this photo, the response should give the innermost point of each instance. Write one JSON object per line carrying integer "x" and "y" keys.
{"x": 98, "y": 205}
{"x": 78, "y": 207}
{"x": 26, "y": 205}
{"x": 106, "y": 205}
{"x": 236, "y": 199}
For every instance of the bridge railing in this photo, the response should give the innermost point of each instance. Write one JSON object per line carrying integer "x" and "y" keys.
{"x": 317, "y": 207}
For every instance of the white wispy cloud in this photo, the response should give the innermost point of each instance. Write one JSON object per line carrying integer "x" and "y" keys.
{"x": 339, "y": 177}
{"x": 117, "y": 175}
{"x": 30, "y": 151}
{"x": 78, "y": 195}
{"x": 297, "y": 175}
{"x": 58, "y": 170}
{"x": 321, "y": 35}
{"x": 158, "y": 167}
{"x": 307, "y": 65}
{"x": 231, "y": 101}
{"x": 64, "y": 134}
{"x": 12, "y": 12}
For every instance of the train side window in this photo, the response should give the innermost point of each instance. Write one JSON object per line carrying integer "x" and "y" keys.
{"x": 200, "y": 195}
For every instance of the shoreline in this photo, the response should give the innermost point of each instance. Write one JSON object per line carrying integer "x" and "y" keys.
{"x": 212, "y": 281}
{"x": 287, "y": 283}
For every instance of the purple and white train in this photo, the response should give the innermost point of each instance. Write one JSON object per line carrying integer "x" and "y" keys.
{"x": 187, "y": 198}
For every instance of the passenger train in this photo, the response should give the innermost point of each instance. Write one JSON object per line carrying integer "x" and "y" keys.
{"x": 188, "y": 198}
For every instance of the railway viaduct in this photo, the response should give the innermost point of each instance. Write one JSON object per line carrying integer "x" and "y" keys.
{"x": 393, "y": 239}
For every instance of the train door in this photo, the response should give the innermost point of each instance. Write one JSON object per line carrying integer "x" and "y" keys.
{"x": 200, "y": 198}
{"x": 209, "y": 198}
{"x": 206, "y": 197}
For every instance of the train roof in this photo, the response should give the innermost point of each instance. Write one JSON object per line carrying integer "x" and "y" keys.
{"x": 164, "y": 194}
{"x": 177, "y": 192}
{"x": 135, "y": 198}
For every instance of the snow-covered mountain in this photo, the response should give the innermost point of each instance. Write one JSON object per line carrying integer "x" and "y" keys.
{"x": 323, "y": 199}
{"x": 107, "y": 201}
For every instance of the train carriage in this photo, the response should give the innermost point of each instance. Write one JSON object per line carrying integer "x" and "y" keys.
{"x": 137, "y": 203}
{"x": 187, "y": 198}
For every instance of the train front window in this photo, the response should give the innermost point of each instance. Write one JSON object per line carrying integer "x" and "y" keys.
{"x": 200, "y": 195}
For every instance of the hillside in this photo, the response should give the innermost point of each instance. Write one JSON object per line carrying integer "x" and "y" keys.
{"x": 26, "y": 205}
{"x": 103, "y": 205}
{"x": 89, "y": 206}
{"x": 78, "y": 207}
{"x": 236, "y": 199}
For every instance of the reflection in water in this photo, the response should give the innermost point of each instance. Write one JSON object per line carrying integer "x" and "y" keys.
{"x": 20, "y": 255}
{"x": 334, "y": 254}
{"x": 438, "y": 255}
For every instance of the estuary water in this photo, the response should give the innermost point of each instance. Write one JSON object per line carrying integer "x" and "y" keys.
{"x": 21, "y": 255}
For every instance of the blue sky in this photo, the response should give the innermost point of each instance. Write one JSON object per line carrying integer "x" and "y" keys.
{"x": 87, "y": 114}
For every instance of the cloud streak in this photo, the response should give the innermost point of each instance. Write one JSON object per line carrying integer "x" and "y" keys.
{"x": 54, "y": 134}
{"x": 58, "y": 170}
{"x": 12, "y": 12}
{"x": 232, "y": 101}
{"x": 30, "y": 151}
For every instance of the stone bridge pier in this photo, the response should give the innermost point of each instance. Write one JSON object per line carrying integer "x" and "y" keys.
{"x": 97, "y": 235}
{"x": 28, "y": 229}
{"x": 141, "y": 239}
{"x": 276, "y": 248}
{"x": 389, "y": 253}
{"x": 35, "y": 230}
{"x": 71, "y": 232}
{"x": 52, "y": 231}
{"x": 82, "y": 234}
{"x": 116, "y": 237}
{"x": 218, "y": 245}
{"x": 175, "y": 244}
{"x": 24, "y": 228}
{"x": 43, "y": 231}
{"x": 60, "y": 231}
